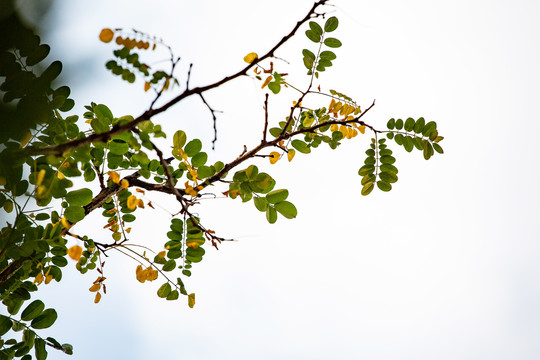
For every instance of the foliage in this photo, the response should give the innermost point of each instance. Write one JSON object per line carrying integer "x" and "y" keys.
{"x": 69, "y": 167}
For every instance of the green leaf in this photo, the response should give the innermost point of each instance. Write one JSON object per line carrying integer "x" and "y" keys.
{"x": 391, "y": 124}
{"x": 179, "y": 139}
{"x": 409, "y": 124}
{"x": 316, "y": 28}
{"x": 38, "y": 55}
{"x": 260, "y": 203}
{"x": 67, "y": 349}
{"x": 74, "y": 213}
{"x": 388, "y": 177}
{"x": 383, "y": 185}
{"x": 366, "y": 169}
{"x": 331, "y": 24}
{"x": 199, "y": 159}
{"x": 327, "y": 55}
{"x": 277, "y": 196}
{"x": 308, "y": 64}
{"x": 59, "y": 261}
{"x": 408, "y": 143}
{"x": 169, "y": 265}
{"x": 418, "y": 143}
{"x": 174, "y": 235}
{"x": 205, "y": 171}
{"x": 300, "y": 146}
{"x": 286, "y": 209}
{"x": 103, "y": 111}
{"x": 193, "y": 147}
{"x": 173, "y": 295}
{"x": 128, "y": 217}
{"x": 52, "y": 72}
{"x": 367, "y": 189}
{"x": 419, "y": 126}
{"x": 271, "y": 215}
{"x": 369, "y": 178}
{"x": 313, "y": 36}
{"x": 164, "y": 290}
{"x": 389, "y": 168}
{"x": 370, "y": 160}
{"x": 387, "y": 159}
{"x": 5, "y": 324}
{"x": 45, "y": 320}
{"x": 308, "y": 54}
{"x": 428, "y": 150}
{"x": 438, "y": 148}
{"x": 399, "y": 124}
{"x": 332, "y": 42}
{"x": 274, "y": 86}
{"x": 79, "y": 197}
{"x": 118, "y": 147}
{"x": 428, "y": 128}
{"x": 39, "y": 348}
{"x": 275, "y": 132}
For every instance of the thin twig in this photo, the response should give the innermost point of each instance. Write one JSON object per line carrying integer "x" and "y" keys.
{"x": 214, "y": 118}
{"x": 265, "y": 117}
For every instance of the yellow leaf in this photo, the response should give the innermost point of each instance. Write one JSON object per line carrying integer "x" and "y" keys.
{"x": 95, "y": 287}
{"x": 48, "y": 279}
{"x": 124, "y": 183}
{"x": 40, "y": 177}
{"x": 128, "y": 230}
{"x": 167, "y": 83}
{"x": 99, "y": 279}
{"x": 75, "y": 252}
{"x": 251, "y": 57}
{"x": 362, "y": 129}
{"x": 268, "y": 79}
{"x": 161, "y": 254}
{"x": 132, "y": 202}
{"x": 65, "y": 223}
{"x": 274, "y": 157}
{"x": 114, "y": 177}
{"x": 192, "y": 244}
{"x": 106, "y": 35}
{"x": 97, "y": 298}
{"x": 290, "y": 154}
{"x": 152, "y": 274}
{"x": 147, "y": 86}
{"x": 39, "y": 279}
{"x": 331, "y": 106}
{"x": 140, "y": 274}
{"x": 41, "y": 190}
{"x": 26, "y": 139}
{"x": 139, "y": 190}
{"x": 334, "y": 127}
{"x": 191, "y": 300}
{"x": 60, "y": 176}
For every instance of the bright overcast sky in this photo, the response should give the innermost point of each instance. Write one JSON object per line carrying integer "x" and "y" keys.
{"x": 445, "y": 266}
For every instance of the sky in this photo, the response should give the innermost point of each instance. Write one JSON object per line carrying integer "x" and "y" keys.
{"x": 444, "y": 266}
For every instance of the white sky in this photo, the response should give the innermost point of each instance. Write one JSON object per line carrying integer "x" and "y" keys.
{"x": 445, "y": 266}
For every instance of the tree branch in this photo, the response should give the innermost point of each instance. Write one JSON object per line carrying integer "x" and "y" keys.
{"x": 148, "y": 114}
